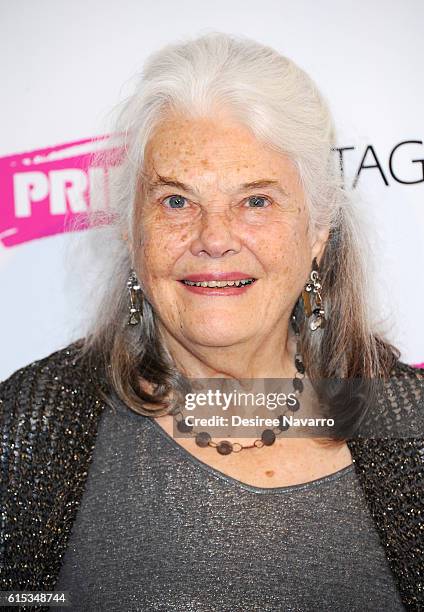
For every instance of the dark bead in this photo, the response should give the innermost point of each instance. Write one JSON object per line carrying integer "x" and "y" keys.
{"x": 298, "y": 384}
{"x": 183, "y": 427}
{"x": 202, "y": 439}
{"x": 282, "y": 426}
{"x": 295, "y": 406}
{"x": 224, "y": 447}
{"x": 268, "y": 437}
{"x": 299, "y": 365}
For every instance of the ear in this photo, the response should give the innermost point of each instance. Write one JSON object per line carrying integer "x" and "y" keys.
{"x": 320, "y": 242}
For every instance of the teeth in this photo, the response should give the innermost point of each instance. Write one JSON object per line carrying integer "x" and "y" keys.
{"x": 229, "y": 283}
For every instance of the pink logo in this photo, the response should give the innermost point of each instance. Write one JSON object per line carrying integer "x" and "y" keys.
{"x": 43, "y": 191}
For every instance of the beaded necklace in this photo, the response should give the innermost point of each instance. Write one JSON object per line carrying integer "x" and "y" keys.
{"x": 268, "y": 436}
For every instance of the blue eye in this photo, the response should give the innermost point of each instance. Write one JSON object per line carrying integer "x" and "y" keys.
{"x": 176, "y": 201}
{"x": 258, "y": 202}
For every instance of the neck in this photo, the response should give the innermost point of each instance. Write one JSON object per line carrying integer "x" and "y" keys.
{"x": 262, "y": 357}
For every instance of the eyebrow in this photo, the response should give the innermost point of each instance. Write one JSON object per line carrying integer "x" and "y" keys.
{"x": 161, "y": 181}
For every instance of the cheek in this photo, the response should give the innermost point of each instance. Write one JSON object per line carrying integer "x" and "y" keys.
{"x": 283, "y": 254}
{"x": 278, "y": 245}
{"x": 160, "y": 247}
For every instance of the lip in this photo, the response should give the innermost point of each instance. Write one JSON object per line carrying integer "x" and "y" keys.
{"x": 210, "y": 276}
{"x": 219, "y": 291}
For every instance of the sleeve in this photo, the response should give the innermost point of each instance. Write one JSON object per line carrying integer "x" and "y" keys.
{"x": 48, "y": 423}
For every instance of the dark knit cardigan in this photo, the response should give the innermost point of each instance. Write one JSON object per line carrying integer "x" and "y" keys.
{"x": 49, "y": 414}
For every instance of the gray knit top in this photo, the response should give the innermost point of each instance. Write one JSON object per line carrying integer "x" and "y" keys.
{"x": 158, "y": 529}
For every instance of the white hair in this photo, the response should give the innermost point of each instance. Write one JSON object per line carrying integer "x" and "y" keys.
{"x": 274, "y": 98}
{"x": 264, "y": 90}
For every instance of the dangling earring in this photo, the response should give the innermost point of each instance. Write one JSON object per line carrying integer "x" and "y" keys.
{"x": 313, "y": 287}
{"x": 298, "y": 357}
{"x": 135, "y": 295}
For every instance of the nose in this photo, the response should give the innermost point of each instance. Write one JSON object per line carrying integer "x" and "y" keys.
{"x": 216, "y": 235}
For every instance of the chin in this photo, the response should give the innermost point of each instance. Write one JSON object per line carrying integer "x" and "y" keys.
{"x": 217, "y": 335}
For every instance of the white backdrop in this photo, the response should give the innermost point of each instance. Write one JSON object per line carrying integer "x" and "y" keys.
{"x": 66, "y": 64}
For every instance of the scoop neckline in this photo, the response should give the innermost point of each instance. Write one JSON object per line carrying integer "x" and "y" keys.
{"x": 239, "y": 483}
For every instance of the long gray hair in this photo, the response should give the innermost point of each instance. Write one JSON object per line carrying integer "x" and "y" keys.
{"x": 282, "y": 106}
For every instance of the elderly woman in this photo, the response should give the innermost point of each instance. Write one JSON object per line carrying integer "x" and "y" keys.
{"x": 234, "y": 253}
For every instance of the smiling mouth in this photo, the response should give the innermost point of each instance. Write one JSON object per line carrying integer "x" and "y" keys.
{"x": 220, "y": 283}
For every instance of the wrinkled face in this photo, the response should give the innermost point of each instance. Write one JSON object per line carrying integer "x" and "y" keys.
{"x": 218, "y": 204}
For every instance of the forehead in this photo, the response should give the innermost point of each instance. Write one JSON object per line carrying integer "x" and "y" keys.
{"x": 213, "y": 148}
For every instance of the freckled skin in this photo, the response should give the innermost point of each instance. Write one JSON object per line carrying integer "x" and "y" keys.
{"x": 219, "y": 230}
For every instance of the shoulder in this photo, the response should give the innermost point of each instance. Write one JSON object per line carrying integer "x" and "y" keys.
{"x": 406, "y": 388}
{"x": 46, "y": 375}
{"x": 405, "y": 370}
{"x": 48, "y": 394}
{"x": 396, "y": 422}
{"x": 57, "y": 361}
{"x": 405, "y": 385}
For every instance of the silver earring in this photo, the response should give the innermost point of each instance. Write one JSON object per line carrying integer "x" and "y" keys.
{"x": 135, "y": 296}
{"x": 313, "y": 287}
